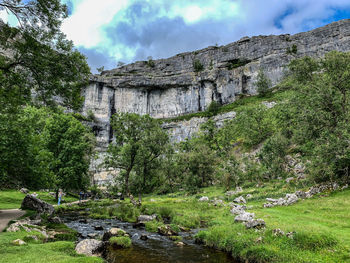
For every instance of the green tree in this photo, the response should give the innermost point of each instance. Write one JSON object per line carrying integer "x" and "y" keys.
{"x": 36, "y": 58}
{"x": 263, "y": 84}
{"x": 139, "y": 143}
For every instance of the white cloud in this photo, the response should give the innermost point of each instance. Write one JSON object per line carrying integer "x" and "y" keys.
{"x": 84, "y": 26}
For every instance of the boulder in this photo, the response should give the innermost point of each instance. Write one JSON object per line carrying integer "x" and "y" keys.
{"x": 300, "y": 194}
{"x": 19, "y": 242}
{"x": 55, "y": 220}
{"x": 278, "y": 232}
{"x": 237, "y": 210}
{"x": 291, "y": 199}
{"x": 24, "y": 190}
{"x": 218, "y": 202}
{"x": 33, "y": 203}
{"x": 204, "y": 199}
{"x": 255, "y": 223}
{"x": 240, "y": 200}
{"x": 146, "y": 218}
{"x": 89, "y": 247}
{"x": 244, "y": 217}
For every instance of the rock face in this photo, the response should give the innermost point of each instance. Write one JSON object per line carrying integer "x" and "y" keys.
{"x": 172, "y": 87}
{"x": 33, "y": 203}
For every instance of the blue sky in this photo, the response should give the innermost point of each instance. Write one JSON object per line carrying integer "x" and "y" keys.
{"x": 108, "y": 31}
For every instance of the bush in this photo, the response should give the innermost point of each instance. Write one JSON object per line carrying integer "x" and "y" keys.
{"x": 120, "y": 242}
{"x": 197, "y": 65}
{"x": 263, "y": 84}
{"x": 213, "y": 108}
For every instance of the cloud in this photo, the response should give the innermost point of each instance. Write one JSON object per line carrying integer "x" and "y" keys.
{"x": 127, "y": 30}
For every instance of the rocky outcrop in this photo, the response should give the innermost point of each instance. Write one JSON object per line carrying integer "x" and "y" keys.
{"x": 174, "y": 86}
{"x": 33, "y": 203}
{"x": 89, "y": 247}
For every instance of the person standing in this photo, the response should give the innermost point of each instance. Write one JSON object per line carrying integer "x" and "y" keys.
{"x": 60, "y": 194}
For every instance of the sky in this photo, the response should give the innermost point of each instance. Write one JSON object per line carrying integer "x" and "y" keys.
{"x": 112, "y": 31}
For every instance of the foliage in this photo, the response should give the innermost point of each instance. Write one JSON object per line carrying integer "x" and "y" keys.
{"x": 53, "y": 153}
{"x": 292, "y": 50}
{"x": 213, "y": 108}
{"x": 197, "y": 65}
{"x": 316, "y": 117}
{"x": 138, "y": 146}
{"x": 236, "y": 63}
{"x": 263, "y": 84}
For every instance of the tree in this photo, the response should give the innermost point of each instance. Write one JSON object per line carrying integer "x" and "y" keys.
{"x": 139, "y": 142}
{"x": 35, "y": 57}
{"x": 263, "y": 84}
{"x": 316, "y": 117}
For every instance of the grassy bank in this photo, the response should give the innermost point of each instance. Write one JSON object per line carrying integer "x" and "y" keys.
{"x": 320, "y": 225}
{"x": 11, "y": 199}
{"x": 38, "y": 252}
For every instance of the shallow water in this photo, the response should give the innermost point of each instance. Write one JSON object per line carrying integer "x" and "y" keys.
{"x": 156, "y": 249}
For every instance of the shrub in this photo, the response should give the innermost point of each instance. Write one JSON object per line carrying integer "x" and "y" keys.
{"x": 197, "y": 65}
{"x": 152, "y": 226}
{"x": 263, "y": 84}
{"x": 292, "y": 50}
{"x": 213, "y": 108}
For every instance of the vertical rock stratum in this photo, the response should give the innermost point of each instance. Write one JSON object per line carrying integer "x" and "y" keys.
{"x": 189, "y": 82}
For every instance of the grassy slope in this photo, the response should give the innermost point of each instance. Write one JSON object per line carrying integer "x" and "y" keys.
{"x": 322, "y": 225}
{"x": 10, "y": 199}
{"x": 58, "y": 252}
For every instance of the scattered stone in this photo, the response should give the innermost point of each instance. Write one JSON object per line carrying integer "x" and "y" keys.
{"x": 237, "y": 191}
{"x": 255, "y": 223}
{"x": 259, "y": 240}
{"x": 33, "y": 203}
{"x": 237, "y": 210}
{"x": 166, "y": 231}
{"x": 244, "y": 217}
{"x": 33, "y": 237}
{"x": 291, "y": 199}
{"x": 180, "y": 244}
{"x": 204, "y": 199}
{"x": 98, "y": 228}
{"x": 249, "y": 196}
{"x": 268, "y": 104}
{"x": 19, "y": 242}
{"x": 290, "y": 235}
{"x": 300, "y": 194}
{"x": 89, "y": 247}
{"x": 83, "y": 221}
{"x": 240, "y": 200}
{"x": 55, "y": 220}
{"x": 146, "y": 218}
{"x": 289, "y": 179}
{"x": 24, "y": 190}
{"x": 278, "y": 232}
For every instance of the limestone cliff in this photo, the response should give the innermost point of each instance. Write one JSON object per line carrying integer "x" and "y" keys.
{"x": 189, "y": 82}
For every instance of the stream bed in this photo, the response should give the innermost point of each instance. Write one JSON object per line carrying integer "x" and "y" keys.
{"x": 156, "y": 249}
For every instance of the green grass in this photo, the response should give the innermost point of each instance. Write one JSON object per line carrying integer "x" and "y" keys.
{"x": 124, "y": 242}
{"x": 33, "y": 252}
{"x": 11, "y": 199}
{"x": 321, "y": 224}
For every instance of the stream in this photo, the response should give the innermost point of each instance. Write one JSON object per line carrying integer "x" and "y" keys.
{"x": 156, "y": 249}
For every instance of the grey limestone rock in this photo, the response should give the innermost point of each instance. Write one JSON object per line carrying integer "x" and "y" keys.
{"x": 33, "y": 203}
{"x": 88, "y": 247}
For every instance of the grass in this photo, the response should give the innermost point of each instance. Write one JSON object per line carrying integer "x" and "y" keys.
{"x": 11, "y": 199}
{"x": 38, "y": 252}
{"x": 123, "y": 242}
{"x": 321, "y": 225}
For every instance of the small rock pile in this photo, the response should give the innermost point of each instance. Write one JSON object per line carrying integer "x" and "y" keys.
{"x": 245, "y": 217}
{"x": 290, "y": 199}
